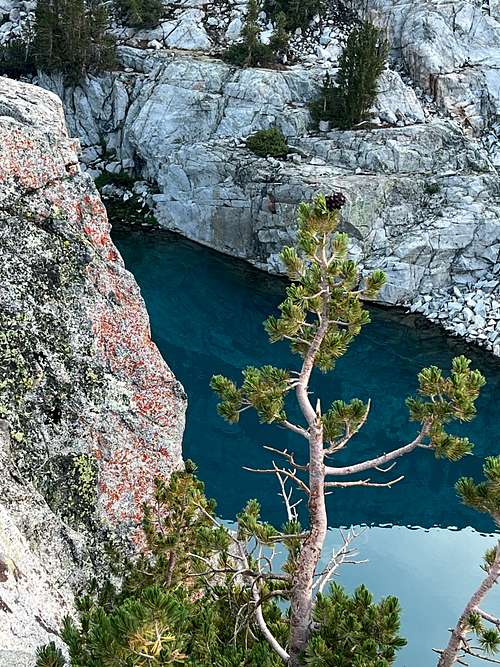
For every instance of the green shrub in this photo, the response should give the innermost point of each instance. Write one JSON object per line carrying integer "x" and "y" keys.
{"x": 168, "y": 612}
{"x": 139, "y": 13}
{"x": 432, "y": 188}
{"x": 361, "y": 63}
{"x": 16, "y": 59}
{"x": 323, "y": 107}
{"x": 261, "y": 55}
{"x": 298, "y": 13}
{"x": 266, "y": 143}
{"x": 281, "y": 37}
{"x": 250, "y": 51}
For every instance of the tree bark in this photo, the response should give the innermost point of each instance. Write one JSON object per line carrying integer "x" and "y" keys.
{"x": 450, "y": 655}
{"x": 301, "y": 602}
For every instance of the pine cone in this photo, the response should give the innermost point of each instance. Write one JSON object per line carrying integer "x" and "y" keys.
{"x": 335, "y": 201}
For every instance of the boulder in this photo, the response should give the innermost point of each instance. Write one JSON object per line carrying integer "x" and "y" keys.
{"x": 90, "y": 413}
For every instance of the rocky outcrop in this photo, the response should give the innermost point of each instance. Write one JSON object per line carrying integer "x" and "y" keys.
{"x": 89, "y": 411}
{"x": 424, "y": 196}
{"x": 452, "y": 50}
{"x": 422, "y": 179}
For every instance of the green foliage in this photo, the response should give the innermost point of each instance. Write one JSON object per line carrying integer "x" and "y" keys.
{"x": 50, "y": 656}
{"x": 298, "y": 13}
{"x": 483, "y": 496}
{"x": 16, "y": 58}
{"x": 139, "y": 13}
{"x": 355, "y": 626}
{"x": 281, "y": 37}
{"x": 250, "y": 51}
{"x": 70, "y": 37}
{"x": 168, "y": 612}
{"x": 347, "y": 101}
{"x": 445, "y": 399}
{"x": 324, "y": 106}
{"x": 361, "y": 63}
{"x": 268, "y": 142}
{"x": 432, "y": 188}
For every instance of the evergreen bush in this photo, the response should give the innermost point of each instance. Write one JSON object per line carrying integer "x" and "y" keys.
{"x": 70, "y": 37}
{"x": 16, "y": 58}
{"x": 361, "y": 63}
{"x": 298, "y": 13}
{"x": 168, "y": 612}
{"x": 346, "y": 102}
{"x": 250, "y": 51}
{"x": 266, "y": 143}
{"x": 281, "y": 37}
{"x": 324, "y": 106}
{"x": 139, "y": 13}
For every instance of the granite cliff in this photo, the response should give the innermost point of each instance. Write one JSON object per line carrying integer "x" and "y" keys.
{"x": 89, "y": 411}
{"x": 422, "y": 180}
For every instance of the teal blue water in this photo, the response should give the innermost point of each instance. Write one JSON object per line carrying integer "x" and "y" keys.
{"x": 206, "y": 314}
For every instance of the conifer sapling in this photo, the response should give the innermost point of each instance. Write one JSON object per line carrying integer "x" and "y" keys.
{"x": 321, "y": 315}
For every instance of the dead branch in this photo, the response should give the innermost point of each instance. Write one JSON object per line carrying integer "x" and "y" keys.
{"x": 283, "y": 471}
{"x": 288, "y": 455}
{"x": 364, "y": 482}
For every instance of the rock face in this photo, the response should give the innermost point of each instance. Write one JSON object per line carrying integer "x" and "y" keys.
{"x": 452, "y": 50}
{"x": 424, "y": 196}
{"x": 89, "y": 411}
{"x": 422, "y": 180}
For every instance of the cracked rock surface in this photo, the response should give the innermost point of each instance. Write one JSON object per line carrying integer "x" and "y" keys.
{"x": 422, "y": 179}
{"x": 89, "y": 411}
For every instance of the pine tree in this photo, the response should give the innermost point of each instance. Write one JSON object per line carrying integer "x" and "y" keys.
{"x": 323, "y": 107}
{"x": 281, "y": 37}
{"x": 298, "y": 13}
{"x": 361, "y": 63}
{"x": 181, "y": 601}
{"x": 250, "y": 51}
{"x": 139, "y": 13}
{"x": 251, "y": 30}
{"x": 322, "y": 314}
{"x": 70, "y": 37}
{"x": 484, "y": 497}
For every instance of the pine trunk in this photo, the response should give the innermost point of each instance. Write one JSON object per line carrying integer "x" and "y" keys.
{"x": 301, "y": 602}
{"x": 450, "y": 655}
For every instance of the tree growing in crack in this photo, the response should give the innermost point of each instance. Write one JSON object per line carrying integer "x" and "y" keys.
{"x": 322, "y": 314}
{"x": 474, "y": 622}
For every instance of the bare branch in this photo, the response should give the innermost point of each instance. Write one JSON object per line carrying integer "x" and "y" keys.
{"x": 338, "y": 558}
{"x": 364, "y": 482}
{"x": 290, "y": 512}
{"x": 288, "y": 455}
{"x": 481, "y": 656}
{"x": 380, "y": 460}
{"x": 488, "y": 617}
{"x": 283, "y": 471}
{"x": 386, "y": 469}
{"x": 295, "y": 429}
{"x": 270, "y": 638}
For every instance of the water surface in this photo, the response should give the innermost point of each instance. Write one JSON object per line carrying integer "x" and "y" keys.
{"x": 206, "y": 314}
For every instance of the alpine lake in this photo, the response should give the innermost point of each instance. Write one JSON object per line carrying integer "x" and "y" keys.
{"x": 419, "y": 542}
